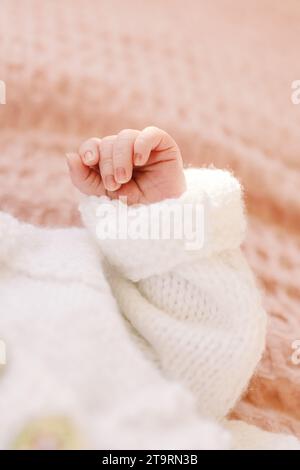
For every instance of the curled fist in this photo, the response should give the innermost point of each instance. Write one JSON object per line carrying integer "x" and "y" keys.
{"x": 144, "y": 166}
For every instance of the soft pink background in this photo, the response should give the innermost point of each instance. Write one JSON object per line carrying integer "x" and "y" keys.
{"x": 217, "y": 75}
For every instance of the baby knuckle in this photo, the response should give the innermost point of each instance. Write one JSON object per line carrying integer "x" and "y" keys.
{"x": 153, "y": 129}
{"x": 108, "y": 138}
{"x": 126, "y": 132}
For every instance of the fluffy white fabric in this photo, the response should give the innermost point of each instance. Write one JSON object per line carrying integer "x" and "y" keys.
{"x": 158, "y": 369}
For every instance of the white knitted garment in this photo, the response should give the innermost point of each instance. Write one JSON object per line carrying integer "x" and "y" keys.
{"x": 191, "y": 320}
{"x": 201, "y": 311}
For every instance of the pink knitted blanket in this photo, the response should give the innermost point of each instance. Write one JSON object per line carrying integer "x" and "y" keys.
{"x": 217, "y": 75}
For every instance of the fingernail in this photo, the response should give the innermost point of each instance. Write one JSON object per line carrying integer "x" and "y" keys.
{"x": 88, "y": 157}
{"x": 110, "y": 182}
{"x": 121, "y": 175}
{"x": 138, "y": 157}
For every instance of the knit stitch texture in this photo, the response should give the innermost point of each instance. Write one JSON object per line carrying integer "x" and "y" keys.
{"x": 168, "y": 377}
{"x": 217, "y": 76}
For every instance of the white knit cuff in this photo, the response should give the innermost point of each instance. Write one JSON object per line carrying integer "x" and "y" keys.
{"x": 144, "y": 240}
{"x": 10, "y": 236}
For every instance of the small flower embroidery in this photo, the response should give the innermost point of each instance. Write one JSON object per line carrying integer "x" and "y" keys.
{"x": 48, "y": 433}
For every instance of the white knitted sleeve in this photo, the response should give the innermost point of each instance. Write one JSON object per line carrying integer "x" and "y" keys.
{"x": 141, "y": 241}
{"x": 198, "y": 308}
{"x": 11, "y": 238}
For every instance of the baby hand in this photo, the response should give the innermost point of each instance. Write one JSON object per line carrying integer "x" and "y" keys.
{"x": 145, "y": 166}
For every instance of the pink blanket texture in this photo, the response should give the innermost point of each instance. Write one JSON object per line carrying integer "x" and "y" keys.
{"x": 215, "y": 74}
